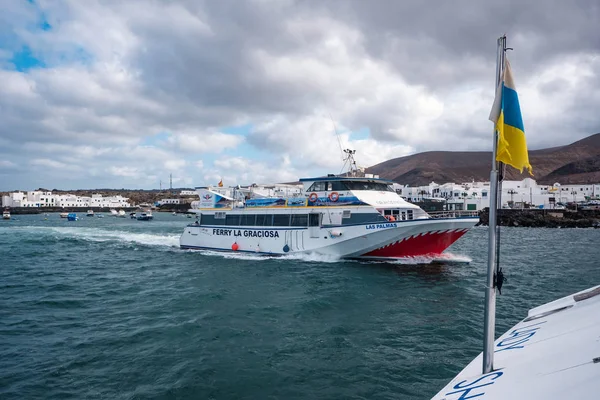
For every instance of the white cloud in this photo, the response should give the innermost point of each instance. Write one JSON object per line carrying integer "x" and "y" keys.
{"x": 44, "y": 162}
{"x": 7, "y": 164}
{"x": 204, "y": 142}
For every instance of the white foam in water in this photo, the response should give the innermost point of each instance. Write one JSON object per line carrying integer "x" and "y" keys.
{"x": 321, "y": 258}
{"x": 312, "y": 257}
{"x": 444, "y": 257}
{"x": 100, "y": 235}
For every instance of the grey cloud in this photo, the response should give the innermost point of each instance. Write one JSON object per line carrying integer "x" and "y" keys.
{"x": 193, "y": 66}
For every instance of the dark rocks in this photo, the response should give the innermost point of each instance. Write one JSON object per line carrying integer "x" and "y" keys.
{"x": 535, "y": 218}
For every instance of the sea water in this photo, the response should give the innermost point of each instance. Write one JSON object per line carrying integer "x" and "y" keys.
{"x": 111, "y": 308}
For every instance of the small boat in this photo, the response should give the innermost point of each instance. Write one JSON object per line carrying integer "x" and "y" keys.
{"x": 64, "y": 215}
{"x": 113, "y": 212}
{"x": 132, "y": 215}
{"x": 90, "y": 213}
{"x": 72, "y": 217}
{"x": 121, "y": 214}
{"x": 145, "y": 216}
{"x": 6, "y": 214}
{"x": 174, "y": 213}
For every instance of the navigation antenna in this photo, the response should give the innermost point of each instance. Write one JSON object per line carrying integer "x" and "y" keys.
{"x": 349, "y": 158}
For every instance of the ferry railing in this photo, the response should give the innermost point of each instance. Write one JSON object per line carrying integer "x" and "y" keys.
{"x": 453, "y": 214}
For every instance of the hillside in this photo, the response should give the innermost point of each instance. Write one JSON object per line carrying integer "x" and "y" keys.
{"x": 578, "y": 162}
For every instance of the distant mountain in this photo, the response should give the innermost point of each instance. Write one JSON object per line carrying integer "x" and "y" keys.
{"x": 578, "y": 162}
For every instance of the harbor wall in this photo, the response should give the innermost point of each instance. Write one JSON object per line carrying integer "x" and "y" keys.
{"x": 536, "y": 218}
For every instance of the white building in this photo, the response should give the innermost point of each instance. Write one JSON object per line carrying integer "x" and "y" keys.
{"x": 475, "y": 195}
{"x": 48, "y": 199}
{"x": 169, "y": 201}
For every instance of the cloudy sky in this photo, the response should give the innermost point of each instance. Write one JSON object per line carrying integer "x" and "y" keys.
{"x": 122, "y": 93}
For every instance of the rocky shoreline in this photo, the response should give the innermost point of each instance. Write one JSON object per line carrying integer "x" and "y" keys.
{"x": 535, "y": 218}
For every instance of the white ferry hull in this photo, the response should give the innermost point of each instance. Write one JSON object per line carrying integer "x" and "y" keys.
{"x": 422, "y": 237}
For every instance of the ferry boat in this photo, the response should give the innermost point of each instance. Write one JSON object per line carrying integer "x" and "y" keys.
{"x": 6, "y": 214}
{"x": 339, "y": 216}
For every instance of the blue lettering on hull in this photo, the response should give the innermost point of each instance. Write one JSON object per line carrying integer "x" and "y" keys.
{"x": 381, "y": 226}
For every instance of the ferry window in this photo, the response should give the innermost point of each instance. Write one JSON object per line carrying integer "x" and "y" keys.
{"x": 403, "y": 216}
{"x": 346, "y": 214}
{"x": 338, "y": 186}
{"x": 387, "y": 212}
{"x": 329, "y": 187}
{"x": 317, "y": 187}
{"x": 281, "y": 220}
{"x": 314, "y": 219}
{"x": 248, "y": 219}
{"x": 232, "y": 220}
{"x": 369, "y": 185}
{"x": 410, "y": 214}
{"x": 264, "y": 220}
{"x": 299, "y": 219}
{"x": 220, "y": 215}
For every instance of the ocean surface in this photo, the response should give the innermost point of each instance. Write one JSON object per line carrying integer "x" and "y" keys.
{"x": 110, "y": 308}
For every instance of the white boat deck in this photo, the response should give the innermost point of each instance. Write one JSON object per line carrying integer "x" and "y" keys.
{"x": 552, "y": 354}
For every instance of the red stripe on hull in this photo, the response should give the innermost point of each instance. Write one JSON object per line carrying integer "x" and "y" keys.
{"x": 419, "y": 245}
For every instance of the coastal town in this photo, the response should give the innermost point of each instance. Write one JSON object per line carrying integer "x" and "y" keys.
{"x": 469, "y": 196}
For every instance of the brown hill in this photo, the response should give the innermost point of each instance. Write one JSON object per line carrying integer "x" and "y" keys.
{"x": 577, "y": 162}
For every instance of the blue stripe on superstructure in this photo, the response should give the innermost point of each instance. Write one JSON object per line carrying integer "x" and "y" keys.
{"x": 511, "y": 108}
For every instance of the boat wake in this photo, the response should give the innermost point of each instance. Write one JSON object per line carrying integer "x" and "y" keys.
{"x": 105, "y": 235}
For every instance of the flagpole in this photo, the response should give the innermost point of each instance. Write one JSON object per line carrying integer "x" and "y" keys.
{"x": 490, "y": 289}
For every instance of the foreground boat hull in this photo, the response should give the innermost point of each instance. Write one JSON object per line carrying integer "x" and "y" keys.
{"x": 425, "y": 237}
{"x": 551, "y": 354}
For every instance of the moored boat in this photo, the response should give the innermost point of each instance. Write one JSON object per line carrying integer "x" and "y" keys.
{"x": 144, "y": 216}
{"x": 90, "y": 213}
{"x": 64, "y": 214}
{"x": 6, "y": 214}
{"x": 72, "y": 217}
{"x": 340, "y": 216}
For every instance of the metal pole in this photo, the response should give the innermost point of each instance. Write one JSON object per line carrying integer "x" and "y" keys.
{"x": 490, "y": 290}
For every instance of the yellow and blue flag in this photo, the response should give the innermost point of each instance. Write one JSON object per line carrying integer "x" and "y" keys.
{"x": 506, "y": 114}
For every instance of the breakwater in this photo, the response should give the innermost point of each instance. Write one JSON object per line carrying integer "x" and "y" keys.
{"x": 536, "y": 218}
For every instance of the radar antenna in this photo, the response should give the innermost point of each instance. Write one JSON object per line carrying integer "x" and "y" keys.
{"x": 349, "y": 158}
